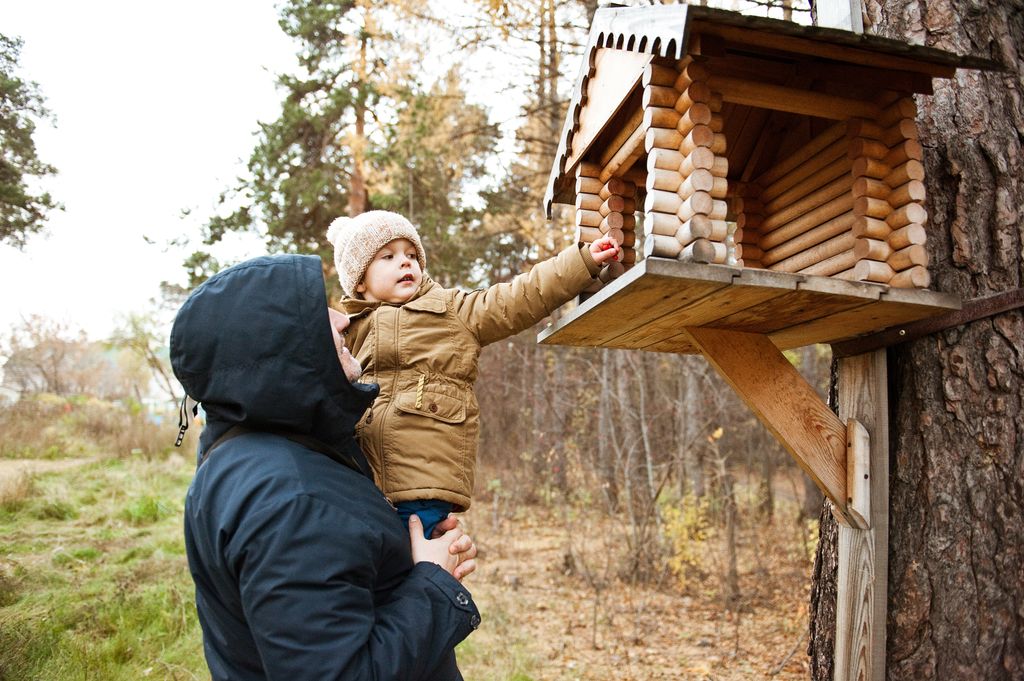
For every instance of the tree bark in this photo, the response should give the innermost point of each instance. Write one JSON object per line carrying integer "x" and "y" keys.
{"x": 956, "y": 509}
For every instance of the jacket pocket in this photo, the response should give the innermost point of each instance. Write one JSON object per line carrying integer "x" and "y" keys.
{"x": 441, "y": 403}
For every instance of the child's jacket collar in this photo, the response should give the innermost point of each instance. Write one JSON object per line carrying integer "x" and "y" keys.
{"x": 429, "y": 298}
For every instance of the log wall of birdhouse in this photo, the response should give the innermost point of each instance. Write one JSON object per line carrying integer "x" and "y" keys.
{"x": 755, "y": 157}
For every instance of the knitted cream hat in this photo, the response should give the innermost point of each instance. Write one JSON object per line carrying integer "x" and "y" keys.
{"x": 356, "y": 240}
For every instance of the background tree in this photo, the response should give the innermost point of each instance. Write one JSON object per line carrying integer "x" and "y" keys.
{"x": 140, "y": 335}
{"x": 23, "y": 210}
{"x": 357, "y": 131}
{"x": 544, "y": 39}
{"x": 956, "y": 510}
{"x": 438, "y": 144}
{"x": 45, "y": 356}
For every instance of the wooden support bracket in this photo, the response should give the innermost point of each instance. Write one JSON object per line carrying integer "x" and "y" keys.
{"x": 834, "y": 455}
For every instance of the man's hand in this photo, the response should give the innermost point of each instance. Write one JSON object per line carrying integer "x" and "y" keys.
{"x": 604, "y": 249}
{"x": 454, "y": 550}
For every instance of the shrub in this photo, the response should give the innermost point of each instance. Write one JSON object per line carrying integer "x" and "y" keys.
{"x": 688, "y": 530}
{"x": 55, "y": 509}
{"x": 9, "y": 586}
{"x": 16, "y": 491}
{"x": 49, "y": 426}
{"x": 81, "y": 555}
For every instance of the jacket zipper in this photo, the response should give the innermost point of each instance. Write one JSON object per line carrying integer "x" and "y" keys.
{"x": 385, "y": 464}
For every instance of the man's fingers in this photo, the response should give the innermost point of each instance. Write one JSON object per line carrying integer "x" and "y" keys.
{"x": 445, "y": 525}
{"x": 460, "y": 544}
{"x": 453, "y": 535}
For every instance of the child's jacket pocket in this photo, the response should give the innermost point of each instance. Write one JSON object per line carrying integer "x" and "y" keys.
{"x": 433, "y": 403}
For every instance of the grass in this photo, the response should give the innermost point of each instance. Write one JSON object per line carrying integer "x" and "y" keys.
{"x": 499, "y": 651}
{"x": 94, "y": 582}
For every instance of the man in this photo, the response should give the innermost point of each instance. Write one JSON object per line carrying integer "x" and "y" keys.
{"x": 302, "y": 568}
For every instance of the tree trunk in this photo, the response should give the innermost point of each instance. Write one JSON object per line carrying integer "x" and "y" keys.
{"x": 606, "y": 426}
{"x": 357, "y": 197}
{"x": 691, "y": 455}
{"x": 956, "y": 509}
{"x": 766, "y": 494}
{"x": 731, "y": 578}
{"x": 813, "y": 499}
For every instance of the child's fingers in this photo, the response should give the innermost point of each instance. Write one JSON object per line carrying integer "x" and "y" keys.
{"x": 462, "y": 545}
{"x": 464, "y": 568}
{"x": 604, "y": 254}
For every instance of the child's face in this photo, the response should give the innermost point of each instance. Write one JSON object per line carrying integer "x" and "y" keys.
{"x": 394, "y": 274}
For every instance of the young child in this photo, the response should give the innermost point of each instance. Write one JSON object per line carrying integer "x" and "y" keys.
{"x": 421, "y": 342}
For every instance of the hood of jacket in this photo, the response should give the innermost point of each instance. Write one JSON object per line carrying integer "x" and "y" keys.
{"x": 253, "y": 345}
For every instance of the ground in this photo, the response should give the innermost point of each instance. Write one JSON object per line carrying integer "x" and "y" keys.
{"x": 543, "y": 618}
{"x": 558, "y": 598}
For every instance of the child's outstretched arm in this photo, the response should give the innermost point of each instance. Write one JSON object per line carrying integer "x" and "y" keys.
{"x": 506, "y": 309}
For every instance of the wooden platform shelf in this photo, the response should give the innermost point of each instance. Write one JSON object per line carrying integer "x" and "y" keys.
{"x": 651, "y": 305}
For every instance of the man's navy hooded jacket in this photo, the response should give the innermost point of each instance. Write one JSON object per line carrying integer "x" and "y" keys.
{"x": 302, "y": 568}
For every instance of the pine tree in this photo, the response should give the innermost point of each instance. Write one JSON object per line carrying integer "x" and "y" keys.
{"x": 359, "y": 131}
{"x": 23, "y": 211}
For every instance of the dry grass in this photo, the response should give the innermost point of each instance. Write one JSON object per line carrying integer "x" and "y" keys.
{"x": 16, "y": 490}
{"x": 52, "y": 427}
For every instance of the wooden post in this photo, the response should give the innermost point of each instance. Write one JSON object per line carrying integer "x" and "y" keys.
{"x": 868, "y": 153}
{"x": 864, "y": 554}
{"x": 889, "y": 211}
{"x": 619, "y": 223}
{"x": 908, "y": 261}
{"x": 588, "y": 216}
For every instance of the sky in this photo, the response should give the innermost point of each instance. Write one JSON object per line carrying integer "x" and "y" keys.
{"x": 156, "y": 106}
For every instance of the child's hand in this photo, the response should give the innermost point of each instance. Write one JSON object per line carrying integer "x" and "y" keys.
{"x": 604, "y": 249}
{"x": 454, "y": 551}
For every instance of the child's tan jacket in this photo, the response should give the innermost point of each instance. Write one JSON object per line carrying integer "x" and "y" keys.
{"x": 420, "y": 435}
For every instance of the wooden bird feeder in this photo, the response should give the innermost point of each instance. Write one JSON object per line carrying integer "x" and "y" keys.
{"x": 765, "y": 180}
